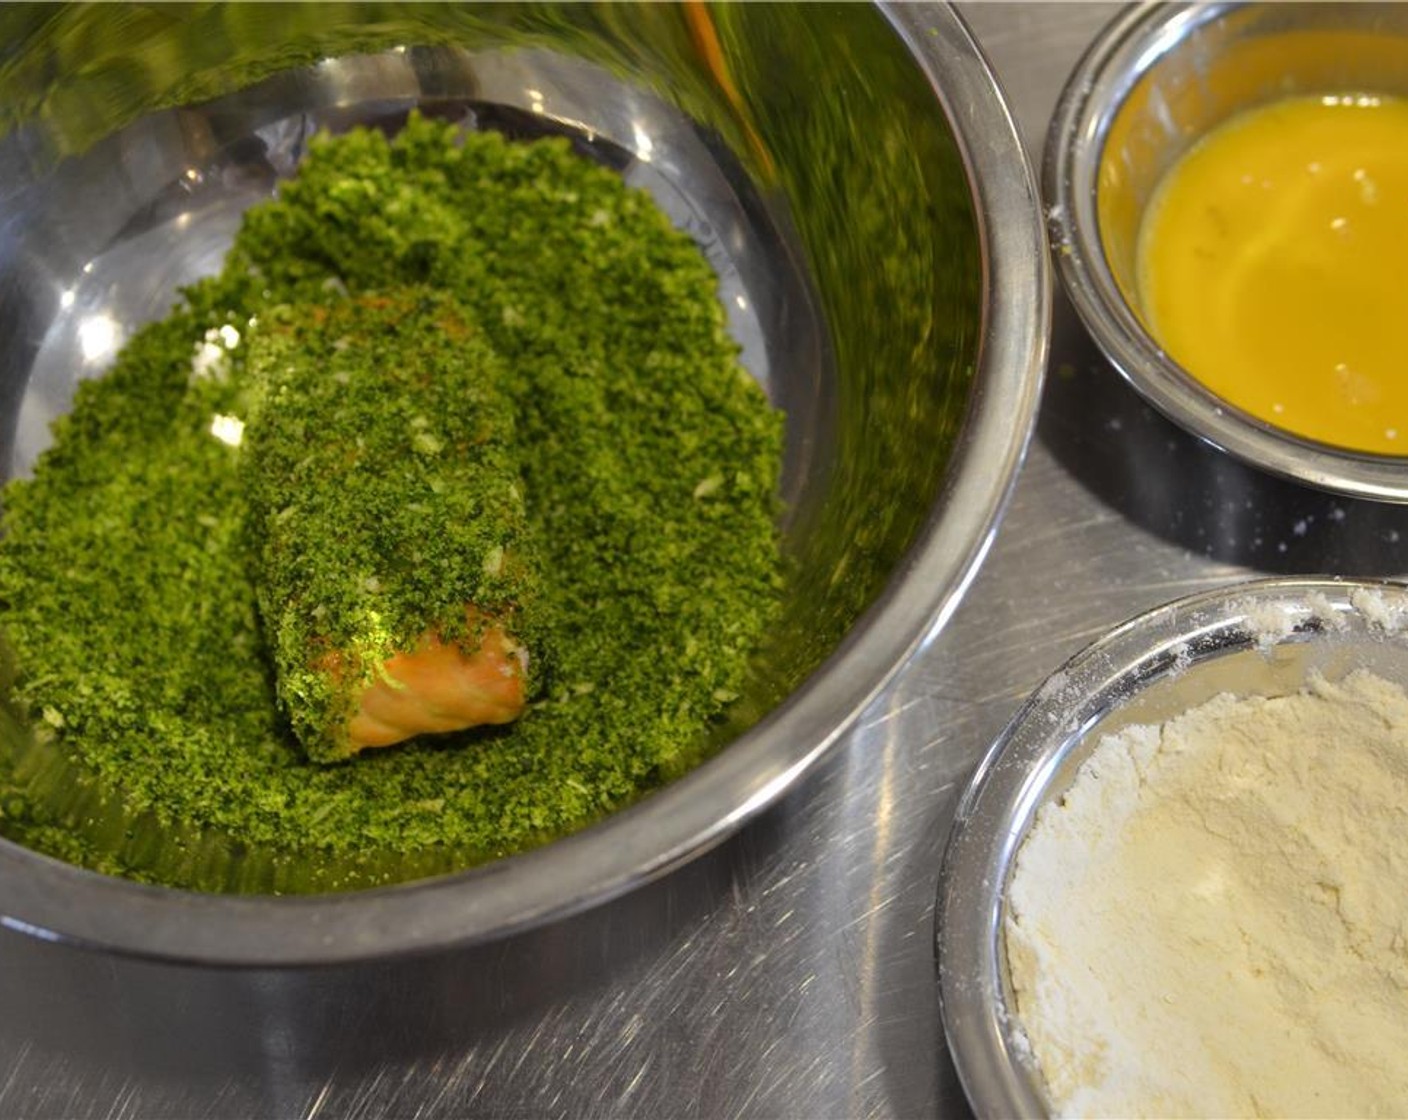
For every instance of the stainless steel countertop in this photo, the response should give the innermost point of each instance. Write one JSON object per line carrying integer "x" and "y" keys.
{"x": 791, "y": 973}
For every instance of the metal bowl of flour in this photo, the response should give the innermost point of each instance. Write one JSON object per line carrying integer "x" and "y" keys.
{"x": 851, "y": 172}
{"x": 1261, "y": 638}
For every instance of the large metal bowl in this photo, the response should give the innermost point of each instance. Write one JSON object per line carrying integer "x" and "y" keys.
{"x": 852, "y": 173}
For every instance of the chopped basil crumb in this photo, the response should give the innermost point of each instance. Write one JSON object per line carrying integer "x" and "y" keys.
{"x": 643, "y": 465}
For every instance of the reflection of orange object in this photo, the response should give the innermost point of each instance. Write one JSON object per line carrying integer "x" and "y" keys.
{"x": 706, "y": 41}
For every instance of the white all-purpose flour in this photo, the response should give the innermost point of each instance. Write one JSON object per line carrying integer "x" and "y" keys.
{"x": 1214, "y": 919}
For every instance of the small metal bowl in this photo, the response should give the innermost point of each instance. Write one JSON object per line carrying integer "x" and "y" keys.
{"x": 1259, "y": 638}
{"x": 1156, "y": 80}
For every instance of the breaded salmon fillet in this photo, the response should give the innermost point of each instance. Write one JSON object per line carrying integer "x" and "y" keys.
{"x": 395, "y": 572}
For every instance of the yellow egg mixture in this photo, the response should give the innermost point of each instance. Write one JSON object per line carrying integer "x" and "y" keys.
{"x": 1273, "y": 266}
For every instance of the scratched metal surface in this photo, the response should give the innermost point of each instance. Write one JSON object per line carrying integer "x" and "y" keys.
{"x": 789, "y": 974}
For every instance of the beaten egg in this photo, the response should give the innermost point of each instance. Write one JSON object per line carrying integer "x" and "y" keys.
{"x": 1271, "y": 266}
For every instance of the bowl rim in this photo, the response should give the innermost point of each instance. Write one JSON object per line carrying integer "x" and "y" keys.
{"x": 1021, "y": 767}
{"x": 51, "y": 900}
{"x": 1119, "y": 55}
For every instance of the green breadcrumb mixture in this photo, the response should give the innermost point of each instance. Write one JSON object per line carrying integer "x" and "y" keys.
{"x": 648, "y": 461}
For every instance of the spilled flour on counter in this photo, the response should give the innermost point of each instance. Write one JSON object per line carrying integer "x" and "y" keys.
{"x": 1214, "y": 919}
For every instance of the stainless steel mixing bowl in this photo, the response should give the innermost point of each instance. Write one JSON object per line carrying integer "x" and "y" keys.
{"x": 1156, "y": 79}
{"x": 851, "y": 172}
{"x": 1261, "y": 638}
